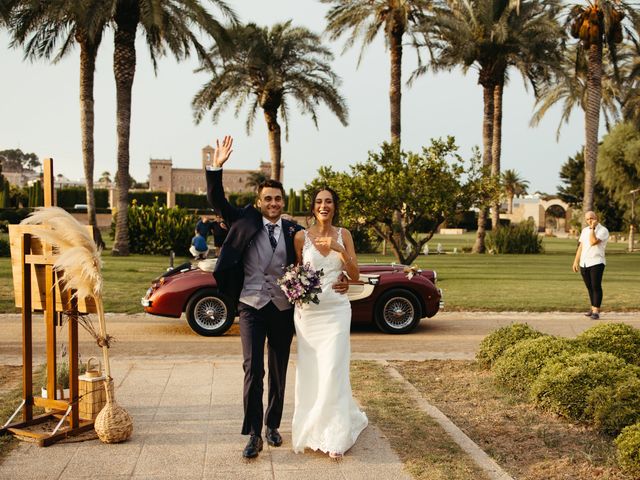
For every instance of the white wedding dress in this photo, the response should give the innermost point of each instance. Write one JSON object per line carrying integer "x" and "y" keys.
{"x": 326, "y": 416}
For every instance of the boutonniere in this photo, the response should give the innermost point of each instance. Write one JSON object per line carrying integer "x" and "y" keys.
{"x": 292, "y": 231}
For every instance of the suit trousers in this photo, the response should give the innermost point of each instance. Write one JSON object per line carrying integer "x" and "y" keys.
{"x": 276, "y": 327}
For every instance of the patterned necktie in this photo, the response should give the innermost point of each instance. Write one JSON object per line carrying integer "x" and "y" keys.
{"x": 272, "y": 239}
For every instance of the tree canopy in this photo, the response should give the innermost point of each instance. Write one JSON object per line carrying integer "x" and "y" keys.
{"x": 618, "y": 167}
{"x": 16, "y": 160}
{"x": 400, "y": 194}
{"x": 572, "y": 192}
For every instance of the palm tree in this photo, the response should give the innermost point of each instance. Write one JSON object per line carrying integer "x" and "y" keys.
{"x": 105, "y": 178}
{"x": 267, "y": 67}
{"x": 255, "y": 179}
{"x": 365, "y": 18}
{"x": 167, "y": 25}
{"x": 40, "y": 27}
{"x": 597, "y": 25}
{"x": 570, "y": 89}
{"x": 492, "y": 36}
{"x": 513, "y": 185}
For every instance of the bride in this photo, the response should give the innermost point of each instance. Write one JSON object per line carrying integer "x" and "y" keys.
{"x": 326, "y": 416}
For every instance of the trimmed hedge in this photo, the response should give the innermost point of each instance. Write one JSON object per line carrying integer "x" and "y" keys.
{"x": 564, "y": 384}
{"x": 494, "y": 345}
{"x": 620, "y": 339}
{"x": 628, "y": 445}
{"x": 616, "y": 407}
{"x": 67, "y": 197}
{"x": 519, "y": 366}
{"x": 196, "y": 201}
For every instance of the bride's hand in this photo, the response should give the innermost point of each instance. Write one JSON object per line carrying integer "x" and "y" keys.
{"x": 329, "y": 243}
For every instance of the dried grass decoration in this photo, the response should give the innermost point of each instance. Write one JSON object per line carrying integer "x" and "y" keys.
{"x": 80, "y": 265}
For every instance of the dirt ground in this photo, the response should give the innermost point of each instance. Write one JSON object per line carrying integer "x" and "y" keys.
{"x": 449, "y": 335}
{"x": 529, "y": 444}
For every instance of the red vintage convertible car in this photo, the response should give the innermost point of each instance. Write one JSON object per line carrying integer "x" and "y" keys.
{"x": 392, "y": 296}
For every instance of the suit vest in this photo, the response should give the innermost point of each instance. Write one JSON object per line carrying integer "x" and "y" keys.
{"x": 262, "y": 267}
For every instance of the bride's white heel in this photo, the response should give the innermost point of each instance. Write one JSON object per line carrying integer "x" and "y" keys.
{"x": 335, "y": 455}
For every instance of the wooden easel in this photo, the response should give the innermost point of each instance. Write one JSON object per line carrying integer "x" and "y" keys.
{"x": 36, "y": 289}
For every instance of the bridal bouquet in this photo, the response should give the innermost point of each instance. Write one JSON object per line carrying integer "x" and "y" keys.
{"x": 301, "y": 284}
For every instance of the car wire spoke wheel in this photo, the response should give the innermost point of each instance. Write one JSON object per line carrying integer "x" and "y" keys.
{"x": 210, "y": 312}
{"x": 398, "y": 312}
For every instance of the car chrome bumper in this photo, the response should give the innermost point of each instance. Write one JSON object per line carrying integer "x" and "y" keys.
{"x": 441, "y": 300}
{"x": 145, "y": 302}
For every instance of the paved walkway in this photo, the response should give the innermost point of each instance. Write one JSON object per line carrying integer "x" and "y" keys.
{"x": 186, "y": 421}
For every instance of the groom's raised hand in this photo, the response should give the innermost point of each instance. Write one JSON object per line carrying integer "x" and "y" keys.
{"x": 222, "y": 151}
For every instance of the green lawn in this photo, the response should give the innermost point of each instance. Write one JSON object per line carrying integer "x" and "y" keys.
{"x": 470, "y": 282}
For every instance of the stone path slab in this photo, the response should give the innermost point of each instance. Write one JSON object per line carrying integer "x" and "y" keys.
{"x": 187, "y": 417}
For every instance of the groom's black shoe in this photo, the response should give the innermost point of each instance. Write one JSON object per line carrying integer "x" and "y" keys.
{"x": 254, "y": 446}
{"x": 273, "y": 437}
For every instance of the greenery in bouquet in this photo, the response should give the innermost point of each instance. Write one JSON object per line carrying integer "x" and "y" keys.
{"x": 301, "y": 284}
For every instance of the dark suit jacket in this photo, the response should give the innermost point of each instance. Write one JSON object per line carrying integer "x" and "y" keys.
{"x": 244, "y": 223}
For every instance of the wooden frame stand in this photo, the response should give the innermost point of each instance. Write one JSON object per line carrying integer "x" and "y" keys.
{"x": 32, "y": 262}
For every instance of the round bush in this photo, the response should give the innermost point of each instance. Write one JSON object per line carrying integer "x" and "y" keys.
{"x": 521, "y": 363}
{"x": 628, "y": 444}
{"x": 494, "y": 344}
{"x": 564, "y": 384}
{"x": 616, "y": 407}
{"x": 619, "y": 339}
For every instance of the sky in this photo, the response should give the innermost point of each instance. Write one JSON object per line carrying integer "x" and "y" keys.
{"x": 40, "y": 113}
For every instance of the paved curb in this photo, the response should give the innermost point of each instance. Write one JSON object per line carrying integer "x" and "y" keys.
{"x": 479, "y": 456}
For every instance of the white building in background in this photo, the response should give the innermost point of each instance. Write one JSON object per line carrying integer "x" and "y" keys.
{"x": 552, "y": 216}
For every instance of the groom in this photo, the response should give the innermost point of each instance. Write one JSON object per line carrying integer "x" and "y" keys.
{"x": 258, "y": 245}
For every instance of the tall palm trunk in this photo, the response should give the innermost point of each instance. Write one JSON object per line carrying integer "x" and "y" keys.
{"x": 487, "y": 140}
{"x": 496, "y": 148}
{"x": 592, "y": 122}
{"x": 275, "y": 148}
{"x": 124, "y": 67}
{"x": 88, "y": 52}
{"x": 395, "y": 86}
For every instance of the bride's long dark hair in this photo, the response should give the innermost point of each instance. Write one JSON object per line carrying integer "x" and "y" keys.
{"x": 336, "y": 203}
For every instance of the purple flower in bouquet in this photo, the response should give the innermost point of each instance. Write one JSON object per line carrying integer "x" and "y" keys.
{"x": 301, "y": 284}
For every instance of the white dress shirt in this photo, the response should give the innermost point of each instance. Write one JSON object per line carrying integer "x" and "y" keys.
{"x": 593, "y": 254}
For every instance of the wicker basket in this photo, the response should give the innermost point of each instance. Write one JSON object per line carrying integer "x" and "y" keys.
{"x": 93, "y": 396}
{"x": 113, "y": 424}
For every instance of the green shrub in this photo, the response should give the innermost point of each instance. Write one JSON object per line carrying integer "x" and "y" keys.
{"x": 156, "y": 229}
{"x": 494, "y": 344}
{"x": 615, "y": 407}
{"x": 518, "y": 238}
{"x": 5, "y": 249}
{"x": 521, "y": 363}
{"x": 564, "y": 384}
{"x": 619, "y": 339}
{"x": 628, "y": 444}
